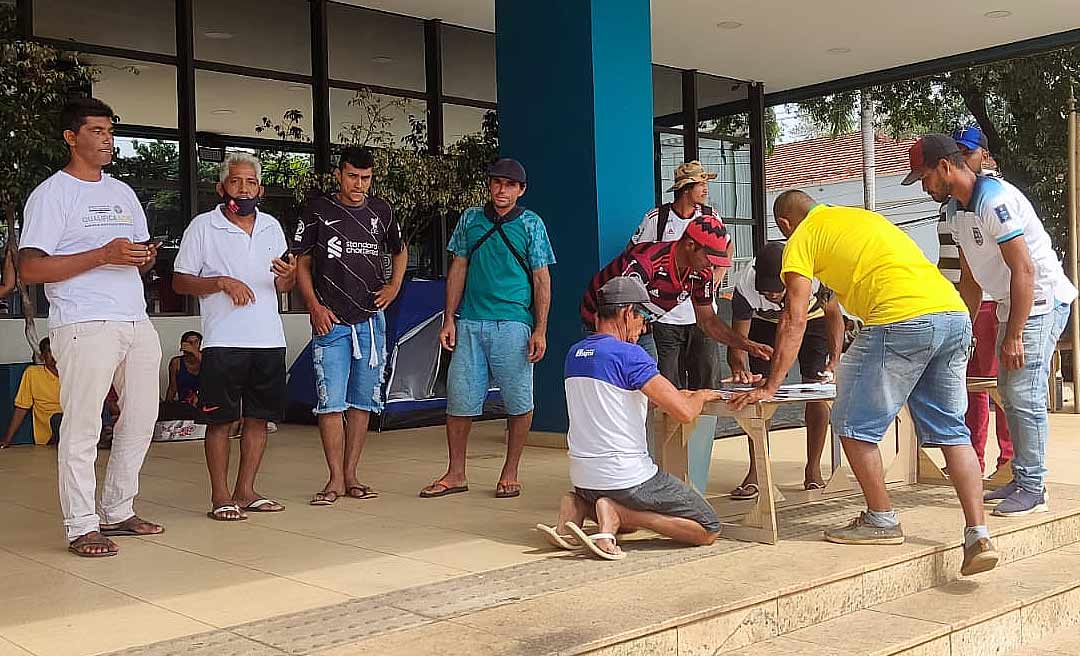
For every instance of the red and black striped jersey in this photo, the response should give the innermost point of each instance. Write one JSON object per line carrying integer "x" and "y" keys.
{"x": 651, "y": 264}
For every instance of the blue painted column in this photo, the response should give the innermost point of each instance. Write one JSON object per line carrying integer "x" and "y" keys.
{"x": 576, "y": 108}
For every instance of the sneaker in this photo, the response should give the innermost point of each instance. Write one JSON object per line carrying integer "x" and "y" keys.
{"x": 979, "y": 557}
{"x": 859, "y": 532}
{"x": 995, "y": 497}
{"x": 1022, "y": 502}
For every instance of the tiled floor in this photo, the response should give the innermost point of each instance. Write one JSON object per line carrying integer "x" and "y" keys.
{"x": 202, "y": 575}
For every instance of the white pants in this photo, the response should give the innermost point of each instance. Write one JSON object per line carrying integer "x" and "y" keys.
{"x": 92, "y": 356}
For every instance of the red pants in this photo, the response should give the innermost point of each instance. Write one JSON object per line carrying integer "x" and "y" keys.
{"x": 984, "y": 363}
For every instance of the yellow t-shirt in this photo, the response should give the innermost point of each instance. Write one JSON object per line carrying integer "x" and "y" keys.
{"x": 40, "y": 390}
{"x": 879, "y": 274}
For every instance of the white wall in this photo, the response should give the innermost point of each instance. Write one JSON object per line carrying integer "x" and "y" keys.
{"x": 14, "y": 348}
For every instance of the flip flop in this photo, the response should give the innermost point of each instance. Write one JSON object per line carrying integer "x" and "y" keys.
{"x": 813, "y": 485}
{"x": 326, "y": 498}
{"x": 446, "y": 490}
{"x": 129, "y": 527}
{"x": 747, "y": 492}
{"x": 502, "y": 491}
{"x": 365, "y": 492}
{"x": 218, "y": 514}
{"x": 77, "y": 545}
{"x": 260, "y": 506}
{"x": 590, "y": 542}
{"x": 556, "y": 540}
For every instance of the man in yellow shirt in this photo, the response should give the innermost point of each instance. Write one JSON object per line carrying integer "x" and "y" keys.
{"x": 912, "y": 350}
{"x": 39, "y": 391}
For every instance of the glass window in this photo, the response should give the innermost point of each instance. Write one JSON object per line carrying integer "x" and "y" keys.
{"x": 671, "y": 156}
{"x": 141, "y": 93}
{"x": 134, "y": 24}
{"x": 667, "y": 91}
{"x": 152, "y": 168}
{"x": 237, "y": 104}
{"x": 372, "y": 47}
{"x": 459, "y": 120}
{"x": 369, "y": 118}
{"x": 269, "y": 34}
{"x": 468, "y": 63}
{"x": 730, "y": 192}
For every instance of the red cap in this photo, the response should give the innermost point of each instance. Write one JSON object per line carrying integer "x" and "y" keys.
{"x": 709, "y": 233}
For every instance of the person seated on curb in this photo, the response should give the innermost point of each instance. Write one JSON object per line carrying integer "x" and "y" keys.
{"x": 756, "y": 307}
{"x": 609, "y": 383}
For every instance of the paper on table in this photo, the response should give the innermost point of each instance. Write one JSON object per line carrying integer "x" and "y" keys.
{"x": 792, "y": 392}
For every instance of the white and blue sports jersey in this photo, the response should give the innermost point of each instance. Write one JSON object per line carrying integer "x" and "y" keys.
{"x": 999, "y": 213}
{"x": 608, "y": 448}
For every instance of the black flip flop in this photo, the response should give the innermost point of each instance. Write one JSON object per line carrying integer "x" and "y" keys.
{"x": 502, "y": 493}
{"x": 365, "y": 492}
{"x": 327, "y": 498}
{"x": 445, "y": 491}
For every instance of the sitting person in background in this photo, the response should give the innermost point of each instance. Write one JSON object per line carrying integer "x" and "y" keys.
{"x": 39, "y": 391}
{"x": 610, "y": 381}
{"x": 182, "y": 395}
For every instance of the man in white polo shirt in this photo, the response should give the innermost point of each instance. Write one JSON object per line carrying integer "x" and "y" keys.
{"x": 1005, "y": 251}
{"x": 85, "y": 236}
{"x": 235, "y": 259}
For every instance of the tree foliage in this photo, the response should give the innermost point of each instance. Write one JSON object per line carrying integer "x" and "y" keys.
{"x": 1020, "y": 105}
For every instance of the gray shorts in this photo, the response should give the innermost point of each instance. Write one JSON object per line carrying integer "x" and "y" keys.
{"x": 664, "y": 494}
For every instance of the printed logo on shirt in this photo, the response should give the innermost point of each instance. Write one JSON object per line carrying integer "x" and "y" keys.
{"x": 977, "y": 235}
{"x": 637, "y": 233}
{"x": 584, "y": 353}
{"x": 299, "y": 230}
{"x": 98, "y": 216}
{"x": 683, "y": 295}
{"x": 333, "y": 248}
{"x": 1002, "y": 213}
{"x": 330, "y": 223}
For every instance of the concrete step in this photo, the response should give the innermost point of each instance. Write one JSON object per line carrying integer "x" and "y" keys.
{"x": 995, "y": 613}
{"x": 1064, "y": 642}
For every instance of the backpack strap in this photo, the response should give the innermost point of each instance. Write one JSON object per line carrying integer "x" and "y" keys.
{"x": 662, "y": 214}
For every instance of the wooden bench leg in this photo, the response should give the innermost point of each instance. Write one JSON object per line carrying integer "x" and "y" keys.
{"x": 671, "y": 447}
{"x": 758, "y": 525}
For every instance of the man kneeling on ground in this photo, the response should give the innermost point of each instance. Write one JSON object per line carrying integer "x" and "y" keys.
{"x": 610, "y": 381}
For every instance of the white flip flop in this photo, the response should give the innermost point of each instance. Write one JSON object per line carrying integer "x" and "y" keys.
{"x": 589, "y": 541}
{"x": 557, "y": 540}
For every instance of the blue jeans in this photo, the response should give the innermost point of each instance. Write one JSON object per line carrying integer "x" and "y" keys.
{"x": 349, "y": 364}
{"x": 1025, "y": 392}
{"x": 486, "y": 352}
{"x": 921, "y": 362}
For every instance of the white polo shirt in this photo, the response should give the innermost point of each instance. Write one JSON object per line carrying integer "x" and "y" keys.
{"x": 999, "y": 213}
{"x": 67, "y": 216}
{"x": 214, "y": 246}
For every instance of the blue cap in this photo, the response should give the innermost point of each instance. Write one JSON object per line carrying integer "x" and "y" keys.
{"x": 970, "y": 137}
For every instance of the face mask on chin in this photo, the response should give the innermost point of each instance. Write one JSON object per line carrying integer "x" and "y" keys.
{"x": 241, "y": 206}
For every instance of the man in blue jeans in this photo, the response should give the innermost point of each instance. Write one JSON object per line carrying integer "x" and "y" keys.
{"x": 498, "y": 293}
{"x": 1005, "y": 251}
{"x": 352, "y": 263}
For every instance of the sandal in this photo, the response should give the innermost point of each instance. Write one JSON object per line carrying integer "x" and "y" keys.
{"x": 813, "y": 485}
{"x": 506, "y": 490}
{"x": 82, "y": 545}
{"x": 230, "y": 512}
{"x": 133, "y": 525}
{"x": 590, "y": 542}
{"x": 324, "y": 498}
{"x": 441, "y": 489}
{"x": 264, "y": 505}
{"x": 567, "y": 542}
{"x": 747, "y": 492}
{"x": 361, "y": 491}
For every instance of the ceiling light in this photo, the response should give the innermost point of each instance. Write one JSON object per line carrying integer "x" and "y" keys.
{"x": 382, "y": 59}
{"x": 1000, "y": 13}
{"x": 839, "y": 51}
{"x": 223, "y": 112}
{"x": 729, "y": 25}
{"x": 220, "y": 35}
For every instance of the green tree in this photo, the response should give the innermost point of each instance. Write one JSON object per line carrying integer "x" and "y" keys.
{"x": 1019, "y": 104}
{"x": 35, "y": 80}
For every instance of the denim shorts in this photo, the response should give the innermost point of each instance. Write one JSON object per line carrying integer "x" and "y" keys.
{"x": 349, "y": 364}
{"x": 921, "y": 362}
{"x": 663, "y": 494}
{"x": 489, "y": 352}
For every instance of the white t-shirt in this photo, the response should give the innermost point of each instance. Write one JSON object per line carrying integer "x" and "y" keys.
{"x": 67, "y": 216}
{"x": 607, "y": 409}
{"x": 683, "y": 313}
{"x": 999, "y": 213}
{"x": 214, "y": 246}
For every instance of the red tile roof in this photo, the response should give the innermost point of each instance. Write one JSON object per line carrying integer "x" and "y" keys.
{"x": 826, "y": 160}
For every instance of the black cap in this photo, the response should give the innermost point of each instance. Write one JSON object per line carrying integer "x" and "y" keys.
{"x": 767, "y": 267}
{"x": 511, "y": 169}
{"x": 926, "y": 153}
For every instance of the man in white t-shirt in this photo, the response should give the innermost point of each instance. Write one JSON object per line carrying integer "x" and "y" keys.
{"x": 687, "y": 357}
{"x": 85, "y": 236}
{"x": 235, "y": 259}
{"x": 1006, "y": 252}
{"x": 610, "y": 381}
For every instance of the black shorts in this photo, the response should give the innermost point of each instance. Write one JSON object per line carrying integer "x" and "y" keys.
{"x": 813, "y": 355}
{"x": 241, "y": 382}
